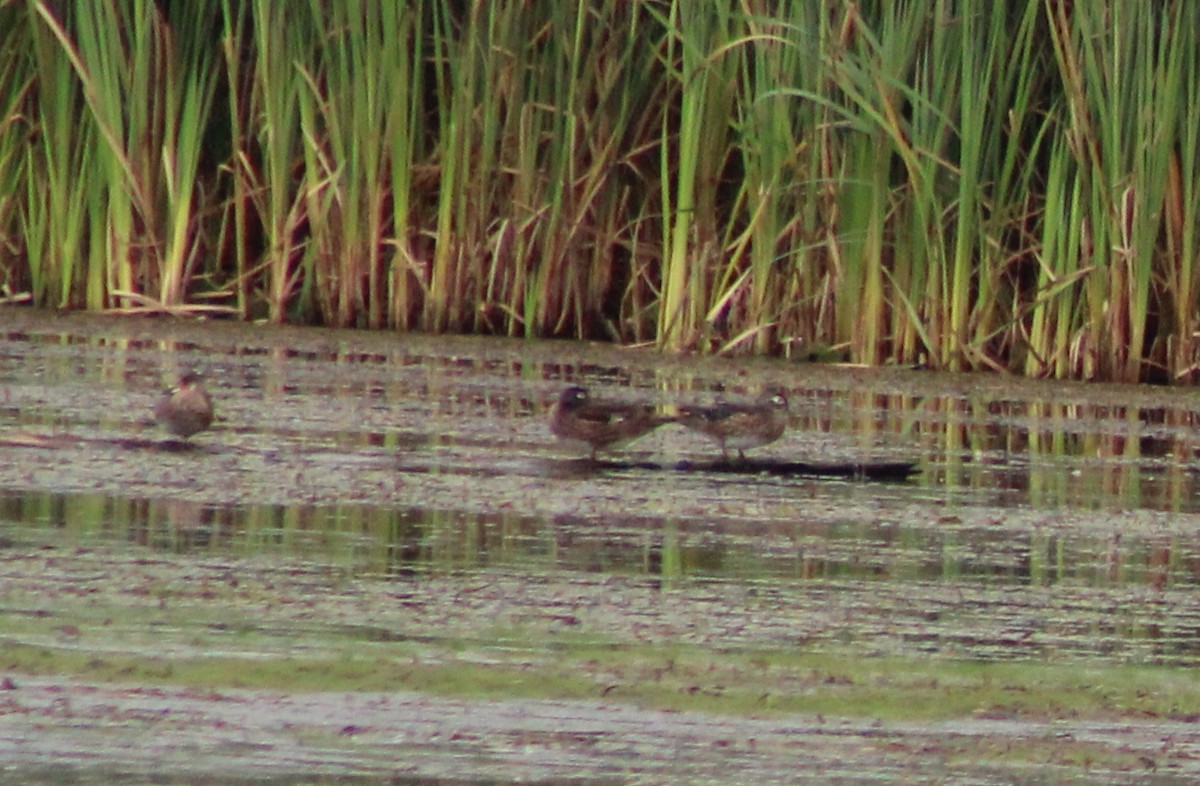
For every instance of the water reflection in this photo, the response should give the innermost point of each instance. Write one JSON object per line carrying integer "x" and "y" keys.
{"x": 374, "y": 541}
{"x": 1051, "y": 454}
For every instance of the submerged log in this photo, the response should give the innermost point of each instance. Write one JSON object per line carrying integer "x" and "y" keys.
{"x": 861, "y": 470}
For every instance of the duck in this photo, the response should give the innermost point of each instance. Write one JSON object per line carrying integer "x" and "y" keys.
{"x": 580, "y": 419}
{"x": 740, "y": 427}
{"x": 186, "y": 409}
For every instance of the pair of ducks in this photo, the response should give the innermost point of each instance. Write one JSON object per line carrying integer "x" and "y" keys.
{"x": 600, "y": 425}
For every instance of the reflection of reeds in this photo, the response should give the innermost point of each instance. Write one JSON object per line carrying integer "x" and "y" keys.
{"x": 335, "y": 543}
{"x": 979, "y": 186}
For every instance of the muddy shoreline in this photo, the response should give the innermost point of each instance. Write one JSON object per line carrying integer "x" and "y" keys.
{"x": 259, "y": 736}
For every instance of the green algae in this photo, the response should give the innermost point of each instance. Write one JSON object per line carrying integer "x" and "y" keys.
{"x": 267, "y": 623}
{"x": 653, "y": 676}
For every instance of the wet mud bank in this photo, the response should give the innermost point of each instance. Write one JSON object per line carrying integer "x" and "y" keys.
{"x": 272, "y": 737}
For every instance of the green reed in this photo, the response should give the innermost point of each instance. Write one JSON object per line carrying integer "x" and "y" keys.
{"x": 112, "y": 75}
{"x": 765, "y": 121}
{"x": 1123, "y": 141}
{"x": 964, "y": 185}
{"x": 405, "y": 125}
{"x": 189, "y": 82}
{"x": 266, "y": 102}
{"x": 14, "y": 135}
{"x": 57, "y": 182}
{"x": 123, "y": 111}
{"x": 693, "y": 150}
{"x": 236, "y": 212}
{"x": 571, "y": 206}
{"x": 348, "y": 119}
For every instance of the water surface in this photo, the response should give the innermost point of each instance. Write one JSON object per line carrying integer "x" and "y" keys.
{"x": 1047, "y": 522}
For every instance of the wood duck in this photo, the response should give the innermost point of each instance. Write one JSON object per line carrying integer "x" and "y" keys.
{"x": 740, "y": 426}
{"x": 579, "y": 419}
{"x": 185, "y": 409}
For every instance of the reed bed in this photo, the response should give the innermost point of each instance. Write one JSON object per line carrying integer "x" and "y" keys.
{"x": 959, "y": 184}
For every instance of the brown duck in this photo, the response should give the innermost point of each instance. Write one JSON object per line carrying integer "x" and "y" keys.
{"x": 185, "y": 409}
{"x": 740, "y": 426}
{"x": 598, "y": 425}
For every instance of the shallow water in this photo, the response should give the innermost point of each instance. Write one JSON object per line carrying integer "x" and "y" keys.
{"x": 392, "y": 453}
{"x": 1048, "y": 521}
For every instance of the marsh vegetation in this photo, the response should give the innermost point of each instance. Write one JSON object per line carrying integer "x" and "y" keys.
{"x": 967, "y": 185}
